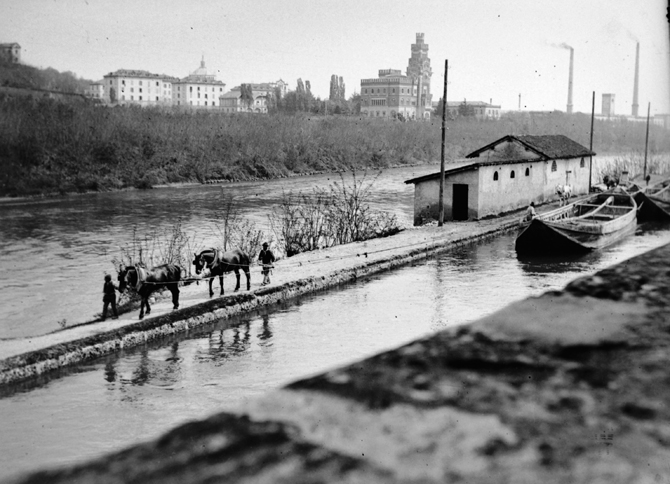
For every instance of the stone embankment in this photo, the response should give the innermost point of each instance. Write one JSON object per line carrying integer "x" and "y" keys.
{"x": 25, "y": 358}
{"x": 569, "y": 387}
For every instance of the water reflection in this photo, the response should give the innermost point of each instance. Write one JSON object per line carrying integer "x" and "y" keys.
{"x": 51, "y": 240}
{"x": 145, "y": 391}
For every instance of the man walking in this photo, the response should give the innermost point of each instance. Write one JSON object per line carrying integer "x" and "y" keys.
{"x": 267, "y": 258}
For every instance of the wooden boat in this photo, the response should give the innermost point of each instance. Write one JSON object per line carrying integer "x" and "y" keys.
{"x": 654, "y": 201}
{"x": 590, "y": 223}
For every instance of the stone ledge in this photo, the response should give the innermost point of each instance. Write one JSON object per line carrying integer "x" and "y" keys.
{"x": 133, "y": 333}
{"x": 570, "y": 386}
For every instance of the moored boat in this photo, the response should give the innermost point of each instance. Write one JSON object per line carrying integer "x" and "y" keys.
{"x": 653, "y": 201}
{"x": 587, "y": 224}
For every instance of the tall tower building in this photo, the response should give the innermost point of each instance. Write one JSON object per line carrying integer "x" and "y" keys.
{"x": 608, "y": 105}
{"x": 418, "y": 69}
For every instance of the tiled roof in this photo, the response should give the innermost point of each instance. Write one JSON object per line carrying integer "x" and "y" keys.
{"x": 551, "y": 146}
{"x": 139, "y": 73}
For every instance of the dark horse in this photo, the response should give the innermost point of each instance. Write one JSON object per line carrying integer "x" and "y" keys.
{"x": 219, "y": 263}
{"x": 146, "y": 281}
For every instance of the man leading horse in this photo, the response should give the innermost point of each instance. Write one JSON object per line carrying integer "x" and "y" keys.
{"x": 218, "y": 263}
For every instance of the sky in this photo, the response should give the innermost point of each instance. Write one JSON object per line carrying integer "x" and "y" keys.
{"x": 504, "y": 51}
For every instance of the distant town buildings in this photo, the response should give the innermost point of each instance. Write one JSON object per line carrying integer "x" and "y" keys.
{"x": 479, "y": 109}
{"x": 608, "y": 105}
{"x": 393, "y": 93}
{"x": 96, "y": 90}
{"x": 10, "y": 52}
{"x": 138, "y": 87}
{"x": 200, "y": 89}
{"x": 231, "y": 102}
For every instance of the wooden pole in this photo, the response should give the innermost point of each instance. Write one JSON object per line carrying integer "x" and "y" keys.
{"x": 593, "y": 113}
{"x": 440, "y": 203}
{"x": 646, "y": 141}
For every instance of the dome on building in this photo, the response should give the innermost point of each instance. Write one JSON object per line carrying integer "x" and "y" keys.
{"x": 202, "y": 72}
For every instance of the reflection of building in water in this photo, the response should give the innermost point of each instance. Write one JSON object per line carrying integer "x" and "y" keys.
{"x": 503, "y": 176}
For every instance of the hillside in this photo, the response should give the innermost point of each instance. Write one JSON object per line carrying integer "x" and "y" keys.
{"x": 49, "y": 147}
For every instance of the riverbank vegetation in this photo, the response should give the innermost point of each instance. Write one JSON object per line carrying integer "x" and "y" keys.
{"x": 48, "y": 147}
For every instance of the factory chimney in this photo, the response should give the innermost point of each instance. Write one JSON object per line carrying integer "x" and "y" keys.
{"x": 637, "y": 80}
{"x": 572, "y": 58}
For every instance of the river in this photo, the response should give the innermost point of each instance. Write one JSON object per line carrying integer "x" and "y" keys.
{"x": 105, "y": 405}
{"x": 55, "y": 252}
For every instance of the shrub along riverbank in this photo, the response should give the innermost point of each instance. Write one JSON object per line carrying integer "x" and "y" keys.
{"x": 48, "y": 147}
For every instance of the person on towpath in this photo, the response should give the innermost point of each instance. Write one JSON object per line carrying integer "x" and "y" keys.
{"x": 530, "y": 212}
{"x": 266, "y": 258}
{"x": 109, "y": 297}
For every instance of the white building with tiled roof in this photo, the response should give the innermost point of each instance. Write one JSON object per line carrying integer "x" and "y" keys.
{"x": 503, "y": 176}
{"x": 138, "y": 87}
{"x": 200, "y": 89}
{"x": 11, "y": 52}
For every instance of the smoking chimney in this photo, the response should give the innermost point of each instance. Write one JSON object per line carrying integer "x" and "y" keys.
{"x": 572, "y": 58}
{"x": 637, "y": 79}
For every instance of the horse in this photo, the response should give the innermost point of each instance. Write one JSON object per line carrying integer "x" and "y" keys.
{"x": 564, "y": 193}
{"x": 146, "y": 281}
{"x": 610, "y": 181}
{"x": 219, "y": 262}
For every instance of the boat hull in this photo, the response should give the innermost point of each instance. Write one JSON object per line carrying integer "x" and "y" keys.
{"x": 598, "y": 225}
{"x": 543, "y": 238}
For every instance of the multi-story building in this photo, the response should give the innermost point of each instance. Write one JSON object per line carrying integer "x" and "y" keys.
{"x": 138, "y": 87}
{"x": 231, "y": 102}
{"x": 200, "y": 89}
{"x": 10, "y": 52}
{"x": 480, "y": 109}
{"x": 393, "y": 93}
{"x": 96, "y": 90}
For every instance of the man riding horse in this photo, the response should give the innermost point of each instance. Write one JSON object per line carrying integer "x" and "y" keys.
{"x": 218, "y": 263}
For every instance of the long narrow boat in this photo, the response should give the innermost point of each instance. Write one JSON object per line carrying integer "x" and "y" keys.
{"x": 654, "y": 201}
{"x": 587, "y": 224}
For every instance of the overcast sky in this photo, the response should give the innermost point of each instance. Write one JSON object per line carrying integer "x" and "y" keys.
{"x": 497, "y": 49}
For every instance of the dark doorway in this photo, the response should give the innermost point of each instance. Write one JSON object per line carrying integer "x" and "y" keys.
{"x": 459, "y": 206}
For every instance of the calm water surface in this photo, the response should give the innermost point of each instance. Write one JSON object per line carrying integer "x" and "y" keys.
{"x": 137, "y": 395}
{"x": 55, "y": 253}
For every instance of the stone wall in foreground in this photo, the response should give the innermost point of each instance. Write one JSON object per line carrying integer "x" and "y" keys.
{"x": 569, "y": 387}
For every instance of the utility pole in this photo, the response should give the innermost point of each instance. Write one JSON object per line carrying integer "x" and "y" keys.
{"x": 593, "y": 113}
{"x": 646, "y": 141}
{"x": 440, "y": 203}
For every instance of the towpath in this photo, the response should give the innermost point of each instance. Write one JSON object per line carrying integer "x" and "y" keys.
{"x": 25, "y": 357}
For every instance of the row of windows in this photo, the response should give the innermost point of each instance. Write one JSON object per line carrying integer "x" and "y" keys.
{"x": 383, "y": 90}
{"x": 132, "y": 81}
{"x": 511, "y": 175}
{"x": 582, "y": 164}
{"x": 190, "y": 88}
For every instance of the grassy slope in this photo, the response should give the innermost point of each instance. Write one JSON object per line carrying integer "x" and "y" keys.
{"x": 51, "y": 147}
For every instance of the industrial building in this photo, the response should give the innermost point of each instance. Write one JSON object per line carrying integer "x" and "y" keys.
{"x": 393, "y": 93}
{"x": 503, "y": 176}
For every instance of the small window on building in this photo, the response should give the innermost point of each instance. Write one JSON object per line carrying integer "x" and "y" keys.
{"x": 495, "y": 176}
{"x": 581, "y": 163}
{"x": 156, "y": 98}
{"x": 553, "y": 165}
{"x": 140, "y": 98}
{"x": 527, "y": 171}
{"x": 157, "y": 83}
{"x": 511, "y": 175}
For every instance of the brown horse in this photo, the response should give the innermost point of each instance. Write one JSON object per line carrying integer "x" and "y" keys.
{"x": 219, "y": 262}
{"x": 146, "y": 281}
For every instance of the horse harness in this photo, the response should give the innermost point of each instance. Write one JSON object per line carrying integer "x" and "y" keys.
{"x": 213, "y": 253}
